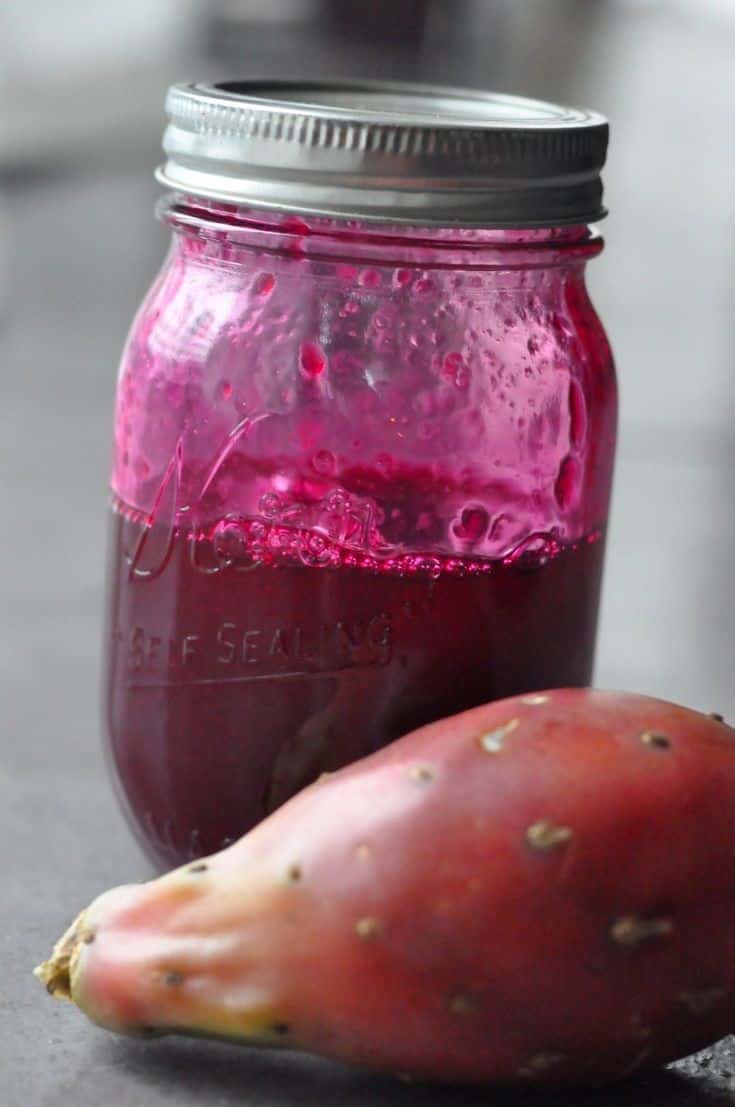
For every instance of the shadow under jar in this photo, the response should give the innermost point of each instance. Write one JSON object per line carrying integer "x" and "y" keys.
{"x": 364, "y": 440}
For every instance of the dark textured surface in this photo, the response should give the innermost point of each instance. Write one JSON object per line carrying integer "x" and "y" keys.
{"x": 79, "y": 251}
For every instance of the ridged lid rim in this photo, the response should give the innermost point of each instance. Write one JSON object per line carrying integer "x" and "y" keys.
{"x": 387, "y": 151}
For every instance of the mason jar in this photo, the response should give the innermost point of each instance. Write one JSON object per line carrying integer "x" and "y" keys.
{"x": 364, "y": 439}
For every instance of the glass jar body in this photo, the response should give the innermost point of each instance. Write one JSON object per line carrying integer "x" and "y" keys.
{"x": 360, "y": 481}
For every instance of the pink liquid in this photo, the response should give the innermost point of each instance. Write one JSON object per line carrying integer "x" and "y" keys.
{"x": 253, "y": 657}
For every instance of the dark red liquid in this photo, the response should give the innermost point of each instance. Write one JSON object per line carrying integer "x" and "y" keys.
{"x": 233, "y": 684}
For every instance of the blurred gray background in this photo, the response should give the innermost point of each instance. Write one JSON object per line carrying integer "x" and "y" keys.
{"x": 81, "y": 97}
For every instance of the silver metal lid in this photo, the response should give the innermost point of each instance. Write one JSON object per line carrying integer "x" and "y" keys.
{"x": 395, "y": 152}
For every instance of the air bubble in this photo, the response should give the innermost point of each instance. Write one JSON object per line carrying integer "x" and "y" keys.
{"x": 429, "y": 565}
{"x": 567, "y": 482}
{"x": 312, "y": 358}
{"x": 577, "y": 415}
{"x": 264, "y": 284}
{"x": 371, "y": 278}
{"x": 315, "y": 546}
{"x": 314, "y": 550}
{"x": 270, "y": 504}
{"x": 230, "y": 540}
{"x": 472, "y": 523}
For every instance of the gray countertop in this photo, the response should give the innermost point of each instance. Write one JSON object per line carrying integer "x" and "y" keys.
{"x": 78, "y": 250}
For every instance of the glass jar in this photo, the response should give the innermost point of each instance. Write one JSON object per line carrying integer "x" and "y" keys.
{"x": 363, "y": 450}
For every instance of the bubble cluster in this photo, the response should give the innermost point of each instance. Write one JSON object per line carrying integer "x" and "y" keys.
{"x": 242, "y": 544}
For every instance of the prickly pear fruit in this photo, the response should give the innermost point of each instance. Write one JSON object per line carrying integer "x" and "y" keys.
{"x": 538, "y": 891}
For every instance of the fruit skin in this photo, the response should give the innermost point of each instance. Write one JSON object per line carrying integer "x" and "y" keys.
{"x": 540, "y": 891}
